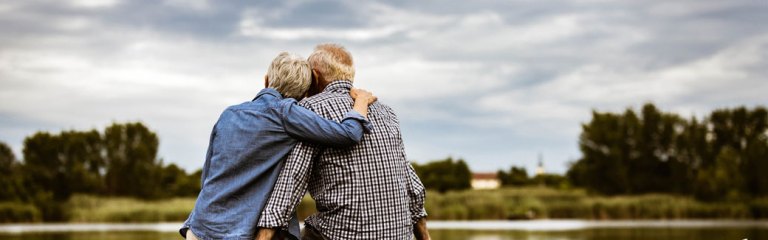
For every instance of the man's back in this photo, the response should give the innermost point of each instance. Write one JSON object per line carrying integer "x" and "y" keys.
{"x": 368, "y": 191}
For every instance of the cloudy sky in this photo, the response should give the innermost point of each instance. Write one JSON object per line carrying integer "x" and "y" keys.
{"x": 495, "y": 82}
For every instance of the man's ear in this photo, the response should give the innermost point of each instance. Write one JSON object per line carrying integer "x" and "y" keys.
{"x": 317, "y": 77}
{"x": 266, "y": 81}
{"x": 314, "y": 87}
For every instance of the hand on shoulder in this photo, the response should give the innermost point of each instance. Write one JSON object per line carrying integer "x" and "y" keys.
{"x": 362, "y": 95}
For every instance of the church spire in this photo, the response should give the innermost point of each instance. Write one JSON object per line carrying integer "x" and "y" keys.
{"x": 540, "y": 167}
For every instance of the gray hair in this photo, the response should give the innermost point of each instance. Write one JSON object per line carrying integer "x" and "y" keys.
{"x": 290, "y": 75}
{"x": 333, "y": 61}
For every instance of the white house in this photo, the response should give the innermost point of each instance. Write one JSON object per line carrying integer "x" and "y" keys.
{"x": 485, "y": 181}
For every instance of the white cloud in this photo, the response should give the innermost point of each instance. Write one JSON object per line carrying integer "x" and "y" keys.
{"x": 253, "y": 28}
{"x": 174, "y": 84}
{"x": 417, "y": 79}
{"x": 491, "y": 85}
{"x": 692, "y": 7}
{"x": 384, "y": 22}
{"x": 198, "y": 5}
{"x": 93, "y": 3}
{"x": 722, "y": 78}
{"x": 7, "y": 6}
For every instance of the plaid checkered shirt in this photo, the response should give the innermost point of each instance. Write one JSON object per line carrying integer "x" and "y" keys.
{"x": 368, "y": 191}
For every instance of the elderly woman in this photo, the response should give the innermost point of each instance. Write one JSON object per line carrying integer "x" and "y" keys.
{"x": 251, "y": 140}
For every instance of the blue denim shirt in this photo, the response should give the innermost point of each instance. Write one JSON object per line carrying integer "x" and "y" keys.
{"x": 246, "y": 153}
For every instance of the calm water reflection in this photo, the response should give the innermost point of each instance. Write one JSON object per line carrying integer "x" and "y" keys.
{"x": 528, "y": 230}
{"x": 606, "y": 234}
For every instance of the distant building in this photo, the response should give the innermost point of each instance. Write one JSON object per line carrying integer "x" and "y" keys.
{"x": 540, "y": 167}
{"x": 485, "y": 181}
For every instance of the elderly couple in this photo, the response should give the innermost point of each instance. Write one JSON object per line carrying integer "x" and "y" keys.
{"x": 338, "y": 142}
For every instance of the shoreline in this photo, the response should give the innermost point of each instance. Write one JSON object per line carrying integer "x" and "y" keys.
{"x": 478, "y": 225}
{"x": 472, "y": 205}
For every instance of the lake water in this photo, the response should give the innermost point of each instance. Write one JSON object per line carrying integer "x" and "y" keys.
{"x": 443, "y": 230}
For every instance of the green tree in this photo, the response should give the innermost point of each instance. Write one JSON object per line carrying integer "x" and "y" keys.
{"x": 661, "y": 152}
{"x": 70, "y": 162}
{"x": 43, "y": 166}
{"x": 743, "y": 133}
{"x": 604, "y": 144}
{"x": 133, "y": 168}
{"x": 84, "y": 161}
{"x": 551, "y": 180}
{"x": 756, "y": 152}
{"x": 723, "y": 179}
{"x": 121, "y": 162}
{"x": 176, "y": 182}
{"x": 631, "y": 154}
{"x": 7, "y": 159}
{"x": 656, "y": 166}
{"x": 11, "y": 185}
{"x": 756, "y": 156}
{"x": 517, "y": 176}
{"x": 445, "y": 175}
{"x": 693, "y": 151}
{"x": 191, "y": 187}
{"x": 45, "y": 174}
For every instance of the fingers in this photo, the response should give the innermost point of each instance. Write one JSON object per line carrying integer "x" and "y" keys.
{"x": 362, "y": 94}
{"x": 357, "y": 92}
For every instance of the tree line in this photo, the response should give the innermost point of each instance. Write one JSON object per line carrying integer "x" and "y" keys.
{"x": 454, "y": 174}
{"x": 120, "y": 161}
{"x": 723, "y": 156}
{"x": 720, "y": 157}
{"x": 444, "y": 175}
{"x": 518, "y": 176}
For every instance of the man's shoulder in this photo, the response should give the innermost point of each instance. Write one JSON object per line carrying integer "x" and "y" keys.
{"x": 320, "y": 99}
{"x": 383, "y": 108}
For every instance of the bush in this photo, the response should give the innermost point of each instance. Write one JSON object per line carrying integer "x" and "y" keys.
{"x": 500, "y": 204}
{"x": 86, "y": 208}
{"x": 18, "y": 212}
{"x": 759, "y": 208}
{"x": 537, "y": 202}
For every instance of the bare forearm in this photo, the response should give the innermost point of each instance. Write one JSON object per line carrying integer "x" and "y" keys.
{"x": 265, "y": 234}
{"x": 420, "y": 230}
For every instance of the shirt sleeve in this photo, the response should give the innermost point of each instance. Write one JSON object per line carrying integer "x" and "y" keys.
{"x": 416, "y": 190}
{"x": 290, "y": 187}
{"x": 306, "y": 125}
{"x": 417, "y": 194}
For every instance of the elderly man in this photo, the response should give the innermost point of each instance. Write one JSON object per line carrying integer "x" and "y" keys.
{"x": 369, "y": 191}
{"x": 249, "y": 143}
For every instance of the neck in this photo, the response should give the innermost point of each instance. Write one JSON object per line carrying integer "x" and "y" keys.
{"x": 325, "y": 84}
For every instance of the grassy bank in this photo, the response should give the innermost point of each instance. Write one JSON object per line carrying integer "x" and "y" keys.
{"x": 100, "y": 209}
{"x": 519, "y": 203}
{"x": 11, "y": 212}
{"x": 528, "y": 203}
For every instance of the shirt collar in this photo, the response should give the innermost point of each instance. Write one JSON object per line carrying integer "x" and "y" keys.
{"x": 342, "y": 86}
{"x": 269, "y": 91}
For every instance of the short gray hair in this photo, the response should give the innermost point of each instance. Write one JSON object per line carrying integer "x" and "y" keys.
{"x": 333, "y": 61}
{"x": 290, "y": 75}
